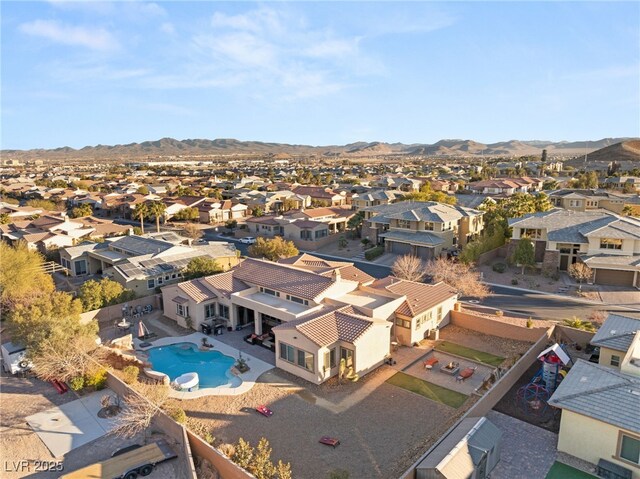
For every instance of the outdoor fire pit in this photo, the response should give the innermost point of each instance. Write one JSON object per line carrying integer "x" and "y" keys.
{"x": 451, "y": 368}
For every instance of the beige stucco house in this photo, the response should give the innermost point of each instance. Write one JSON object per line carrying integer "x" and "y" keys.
{"x": 601, "y": 402}
{"x": 313, "y": 312}
{"x": 609, "y": 244}
{"x": 422, "y": 228}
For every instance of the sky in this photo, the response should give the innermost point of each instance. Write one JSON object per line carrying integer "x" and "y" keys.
{"x": 318, "y": 73}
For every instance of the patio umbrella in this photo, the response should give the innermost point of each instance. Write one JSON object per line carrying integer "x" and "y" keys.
{"x": 143, "y": 331}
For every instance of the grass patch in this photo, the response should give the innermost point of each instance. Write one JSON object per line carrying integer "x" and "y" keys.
{"x": 562, "y": 471}
{"x": 469, "y": 353}
{"x": 431, "y": 391}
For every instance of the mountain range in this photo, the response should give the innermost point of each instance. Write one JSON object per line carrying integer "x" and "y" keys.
{"x": 202, "y": 147}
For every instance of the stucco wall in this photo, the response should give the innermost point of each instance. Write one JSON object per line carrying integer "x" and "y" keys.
{"x": 372, "y": 347}
{"x": 485, "y": 325}
{"x": 605, "y": 357}
{"x": 110, "y": 313}
{"x": 590, "y": 440}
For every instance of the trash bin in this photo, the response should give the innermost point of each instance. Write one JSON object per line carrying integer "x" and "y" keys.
{"x": 218, "y": 330}
{"x": 206, "y": 328}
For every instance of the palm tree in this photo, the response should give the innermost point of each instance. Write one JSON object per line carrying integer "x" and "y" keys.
{"x": 141, "y": 211}
{"x": 157, "y": 209}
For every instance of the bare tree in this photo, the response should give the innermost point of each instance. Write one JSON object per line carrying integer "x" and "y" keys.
{"x": 141, "y": 406}
{"x": 409, "y": 267}
{"x": 458, "y": 275}
{"x": 63, "y": 363}
{"x": 580, "y": 272}
{"x": 192, "y": 231}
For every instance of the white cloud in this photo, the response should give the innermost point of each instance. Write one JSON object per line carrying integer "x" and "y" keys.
{"x": 92, "y": 38}
{"x": 167, "y": 27}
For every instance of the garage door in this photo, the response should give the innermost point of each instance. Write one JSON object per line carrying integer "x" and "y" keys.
{"x": 400, "y": 248}
{"x": 425, "y": 252}
{"x": 616, "y": 278}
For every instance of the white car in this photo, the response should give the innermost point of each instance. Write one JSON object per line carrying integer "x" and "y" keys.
{"x": 248, "y": 240}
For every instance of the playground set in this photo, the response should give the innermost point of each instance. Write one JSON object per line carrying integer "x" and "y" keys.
{"x": 532, "y": 398}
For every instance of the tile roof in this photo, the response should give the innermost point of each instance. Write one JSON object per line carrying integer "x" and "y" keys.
{"x": 420, "y": 211}
{"x": 591, "y": 390}
{"x": 225, "y": 283}
{"x": 421, "y": 297}
{"x": 289, "y": 279}
{"x": 325, "y": 267}
{"x": 198, "y": 290}
{"x": 616, "y": 332}
{"x": 327, "y": 327}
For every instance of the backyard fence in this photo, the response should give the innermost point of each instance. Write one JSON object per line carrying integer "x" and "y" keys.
{"x": 495, "y": 327}
{"x": 109, "y": 313}
{"x": 499, "y": 389}
{"x": 166, "y": 425}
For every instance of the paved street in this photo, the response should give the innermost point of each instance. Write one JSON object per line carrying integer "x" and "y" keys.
{"x": 536, "y": 305}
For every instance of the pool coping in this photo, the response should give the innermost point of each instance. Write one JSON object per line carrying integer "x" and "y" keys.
{"x": 258, "y": 367}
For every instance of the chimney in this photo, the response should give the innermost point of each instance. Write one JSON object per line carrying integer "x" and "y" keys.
{"x": 336, "y": 276}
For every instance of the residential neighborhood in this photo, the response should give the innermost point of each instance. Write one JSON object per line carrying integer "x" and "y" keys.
{"x": 320, "y": 240}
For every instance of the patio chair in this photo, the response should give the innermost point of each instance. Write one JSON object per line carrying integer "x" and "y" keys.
{"x": 264, "y": 410}
{"x": 147, "y": 309}
{"x": 430, "y": 363}
{"x": 329, "y": 441}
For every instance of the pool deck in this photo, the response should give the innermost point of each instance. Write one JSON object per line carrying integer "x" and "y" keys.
{"x": 257, "y": 366}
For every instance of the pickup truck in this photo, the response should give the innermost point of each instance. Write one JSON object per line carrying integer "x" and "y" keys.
{"x": 127, "y": 465}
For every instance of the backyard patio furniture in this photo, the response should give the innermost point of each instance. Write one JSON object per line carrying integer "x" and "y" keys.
{"x": 264, "y": 410}
{"x": 430, "y": 363}
{"x": 465, "y": 374}
{"x": 329, "y": 441}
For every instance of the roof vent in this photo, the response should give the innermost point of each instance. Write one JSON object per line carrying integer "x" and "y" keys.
{"x": 613, "y": 331}
{"x": 584, "y": 379}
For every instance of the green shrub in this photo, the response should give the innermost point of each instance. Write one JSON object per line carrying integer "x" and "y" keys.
{"x": 76, "y": 383}
{"x": 373, "y": 253}
{"x": 514, "y": 281}
{"x": 529, "y": 323}
{"x": 178, "y": 415}
{"x": 96, "y": 379}
{"x": 499, "y": 267}
{"x": 130, "y": 374}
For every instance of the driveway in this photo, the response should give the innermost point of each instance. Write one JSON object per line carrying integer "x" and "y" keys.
{"x": 629, "y": 298}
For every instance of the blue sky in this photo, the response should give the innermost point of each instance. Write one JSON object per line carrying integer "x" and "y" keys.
{"x": 87, "y": 73}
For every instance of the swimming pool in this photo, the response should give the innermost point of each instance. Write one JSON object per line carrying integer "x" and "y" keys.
{"x": 212, "y": 366}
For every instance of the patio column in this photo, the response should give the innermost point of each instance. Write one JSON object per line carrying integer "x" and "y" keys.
{"x": 258, "y": 323}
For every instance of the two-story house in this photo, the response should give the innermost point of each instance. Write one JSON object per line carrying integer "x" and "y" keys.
{"x": 586, "y": 200}
{"x": 609, "y": 244}
{"x": 600, "y": 403}
{"x": 506, "y": 186}
{"x": 363, "y": 200}
{"x": 422, "y": 228}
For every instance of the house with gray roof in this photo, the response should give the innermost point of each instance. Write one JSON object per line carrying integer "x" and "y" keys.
{"x": 143, "y": 263}
{"x": 421, "y": 228}
{"x": 313, "y": 312}
{"x": 614, "y": 338}
{"x": 608, "y": 243}
{"x": 600, "y": 420}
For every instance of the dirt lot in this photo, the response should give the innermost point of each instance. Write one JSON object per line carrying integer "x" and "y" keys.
{"x": 20, "y": 398}
{"x": 381, "y": 435}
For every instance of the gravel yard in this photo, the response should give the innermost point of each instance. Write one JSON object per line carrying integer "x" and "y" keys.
{"x": 20, "y": 398}
{"x": 381, "y": 435}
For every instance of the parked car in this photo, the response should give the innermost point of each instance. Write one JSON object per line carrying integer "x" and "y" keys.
{"x": 248, "y": 240}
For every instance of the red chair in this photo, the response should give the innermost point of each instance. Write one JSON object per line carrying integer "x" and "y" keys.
{"x": 329, "y": 441}
{"x": 264, "y": 410}
{"x": 429, "y": 363}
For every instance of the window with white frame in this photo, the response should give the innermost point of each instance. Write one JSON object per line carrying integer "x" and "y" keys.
{"x": 151, "y": 283}
{"x": 296, "y": 356}
{"x": 405, "y": 224}
{"x": 182, "y": 310}
{"x": 209, "y": 310}
{"x": 615, "y": 360}
{"x": 269, "y": 292}
{"x": 610, "y": 243}
{"x": 224, "y": 311}
{"x": 531, "y": 233}
{"x": 439, "y": 315}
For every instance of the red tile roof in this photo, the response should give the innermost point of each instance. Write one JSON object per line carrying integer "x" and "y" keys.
{"x": 421, "y": 297}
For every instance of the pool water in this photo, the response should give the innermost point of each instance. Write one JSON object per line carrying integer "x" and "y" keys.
{"x": 212, "y": 366}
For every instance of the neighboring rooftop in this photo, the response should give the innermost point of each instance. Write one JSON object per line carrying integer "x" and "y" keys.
{"x": 591, "y": 390}
{"x": 616, "y": 332}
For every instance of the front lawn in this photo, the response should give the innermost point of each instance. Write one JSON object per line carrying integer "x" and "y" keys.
{"x": 562, "y": 471}
{"x": 429, "y": 390}
{"x": 469, "y": 353}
